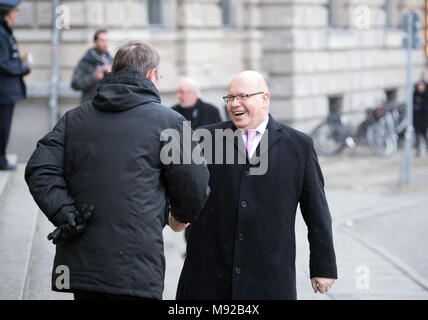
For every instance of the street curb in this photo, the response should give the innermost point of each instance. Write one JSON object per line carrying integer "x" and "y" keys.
{"x": 27, "y": 267}
{"x": 408, "y": 271}
{"x": 377, "y": 212}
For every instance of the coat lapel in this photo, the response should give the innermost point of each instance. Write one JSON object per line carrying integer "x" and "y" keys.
{"x": 273, "y": 134}
{"x": 236, "y": 140}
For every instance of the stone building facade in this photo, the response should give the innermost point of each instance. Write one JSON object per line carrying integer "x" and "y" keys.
{"x": 316, "y": 54}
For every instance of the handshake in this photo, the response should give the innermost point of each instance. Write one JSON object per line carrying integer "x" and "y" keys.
{"x": 70, "y": 222}
{"x": 174, "y": 224}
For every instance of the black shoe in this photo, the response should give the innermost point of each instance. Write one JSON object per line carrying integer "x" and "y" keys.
{"x": 8, "y": 166}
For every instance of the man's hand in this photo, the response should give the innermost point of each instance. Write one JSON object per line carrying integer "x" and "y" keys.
{"x": 322, "y": 285}
{"x": 99, "y": 74}
{"x": 176, "y": 225}
{"x": 107, "y": 68}
{"x": 66, "y": 215}
{"x": 66, "y": 231}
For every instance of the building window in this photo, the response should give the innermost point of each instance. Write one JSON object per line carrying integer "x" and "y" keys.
{"x": 227, "y": 9}
{"x": 338, "y": 14}
{"x": 393, "y": 13}
{"x": 154, "y": 12}
{"x": 330, "y": 9}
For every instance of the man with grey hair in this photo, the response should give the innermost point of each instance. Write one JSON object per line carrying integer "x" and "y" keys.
{"x": 99, "y": 177}
{"x": 192, "y": 107}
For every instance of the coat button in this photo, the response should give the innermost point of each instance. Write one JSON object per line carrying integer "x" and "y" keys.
{"x": 243, "y": 204}
{"x": 240, "y": 237}
{"x": 237, "y": 270}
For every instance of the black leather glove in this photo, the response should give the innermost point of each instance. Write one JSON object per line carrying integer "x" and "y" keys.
{"x": 66, "y": 231}
{"x": 66, "y": 215}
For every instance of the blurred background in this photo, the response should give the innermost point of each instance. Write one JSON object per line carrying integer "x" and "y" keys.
{"x": 318, "y": 56}
{"x": 315, "y": 54}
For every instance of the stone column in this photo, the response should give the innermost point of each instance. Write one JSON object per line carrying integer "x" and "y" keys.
{"x": 199, "y": 39}
{"x": 208, "y": 51}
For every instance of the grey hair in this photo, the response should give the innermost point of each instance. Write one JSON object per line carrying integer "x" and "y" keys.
{"x": 136, "y": 54}
{"x": 194, "y": 84}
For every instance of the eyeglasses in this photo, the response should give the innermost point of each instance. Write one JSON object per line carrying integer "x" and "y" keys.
{"x": 240, "y": 97}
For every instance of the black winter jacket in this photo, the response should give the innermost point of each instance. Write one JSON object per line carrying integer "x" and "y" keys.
{"x": 83, "y": 79}
{"x": 243, "y": 245}
{"x": 201, "y": 114}
{"x": 12, "y": 87}
{"x": 107, "y": 153}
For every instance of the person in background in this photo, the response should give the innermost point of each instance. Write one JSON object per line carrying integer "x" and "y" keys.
{"x": 12, "y": 70}
{"x": 93, "y": 67}
{"x": 420, "y": 115}
{"x": 192, "y": 108}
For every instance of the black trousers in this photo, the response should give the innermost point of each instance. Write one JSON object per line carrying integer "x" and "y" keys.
{"x": 421, "y": 133}
{"x": 6, "y": 112}
{"x": 82, "y": 295}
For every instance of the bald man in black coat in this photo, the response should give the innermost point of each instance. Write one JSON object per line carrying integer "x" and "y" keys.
{"x": 243, "y": 244}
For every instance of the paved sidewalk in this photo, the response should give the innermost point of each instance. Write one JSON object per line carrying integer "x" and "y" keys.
{"x": 369, "y": 211}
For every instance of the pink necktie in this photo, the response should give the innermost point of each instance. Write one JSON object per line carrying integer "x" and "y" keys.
{"x": 251, "y": 134}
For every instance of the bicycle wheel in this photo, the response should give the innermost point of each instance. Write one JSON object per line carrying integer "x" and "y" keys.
{"x": 381, "y": 140}
{"x": 329, "y": 138}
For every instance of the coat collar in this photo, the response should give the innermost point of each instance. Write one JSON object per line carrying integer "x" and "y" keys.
{"x": 273, "y": 131}
{"x": 5, "y": 25}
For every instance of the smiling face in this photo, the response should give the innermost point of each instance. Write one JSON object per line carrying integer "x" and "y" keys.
{"x": 250, "y": 112}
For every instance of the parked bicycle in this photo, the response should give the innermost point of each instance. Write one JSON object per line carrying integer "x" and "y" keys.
{"x": 400, "y": 121}
{"x": 377, "y": 131}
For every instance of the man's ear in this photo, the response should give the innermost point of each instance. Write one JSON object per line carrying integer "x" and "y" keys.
{"x": 153, "y": 77}
{"x": 266, "y": 98}
{"x": 151, "y": 74}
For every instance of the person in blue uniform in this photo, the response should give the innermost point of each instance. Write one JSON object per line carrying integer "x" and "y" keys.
{"x": 12, "y": 70}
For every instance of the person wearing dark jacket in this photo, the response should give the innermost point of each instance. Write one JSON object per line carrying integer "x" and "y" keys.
{"x": 12, "y": 87}
{"x": 192, "y": 107}
{"x": 93, "y": 67}
{"x": 420, "y": 115}
{"x": 243, "y": 244}
{"x": 196, "y": 111}
{"x": 101, "y": 168}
